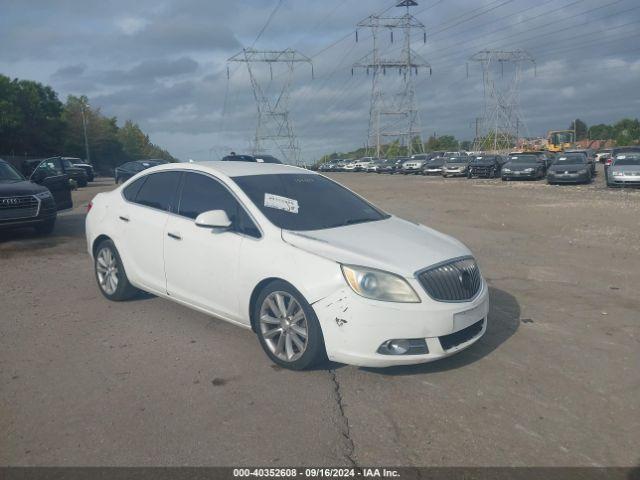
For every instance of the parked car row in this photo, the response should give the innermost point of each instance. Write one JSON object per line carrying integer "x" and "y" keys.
{"x": 622, "y": 165}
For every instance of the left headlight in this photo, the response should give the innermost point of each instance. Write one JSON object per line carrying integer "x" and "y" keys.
{"x": 379, "y": 285}
{"x": 529, "y": 170}
{"x": 43, "y": 195}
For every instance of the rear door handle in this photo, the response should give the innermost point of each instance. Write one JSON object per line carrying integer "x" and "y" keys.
{"x": 175, "y": 236}
{"x": 124, "y": 219}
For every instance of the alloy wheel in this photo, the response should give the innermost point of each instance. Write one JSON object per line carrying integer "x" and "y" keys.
{"x": 107, "y": 270}
{"x": 283, "y": 325}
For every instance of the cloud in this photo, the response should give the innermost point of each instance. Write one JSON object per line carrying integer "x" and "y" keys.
{"x": 70, "y": 71}
{"x": 131, "y": 25}
{"x": 163, "y": 64}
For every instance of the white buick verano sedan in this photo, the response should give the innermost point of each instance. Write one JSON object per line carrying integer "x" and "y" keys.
{"x": 312, "y": 268}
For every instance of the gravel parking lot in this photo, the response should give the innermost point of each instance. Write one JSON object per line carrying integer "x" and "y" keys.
{"x": 555, "y": 381}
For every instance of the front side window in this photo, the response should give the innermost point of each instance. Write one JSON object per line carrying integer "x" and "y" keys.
{"x": 306, "y": 202}
{"x": 201, "y": 194}
{"x": 159, "y": 190}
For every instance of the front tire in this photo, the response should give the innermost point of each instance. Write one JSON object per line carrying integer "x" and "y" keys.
{"x": 110, "y": 274}
{"x": 287, "y": 327}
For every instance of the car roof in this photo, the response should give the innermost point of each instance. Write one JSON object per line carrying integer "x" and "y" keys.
{"x": 236, "y": 169}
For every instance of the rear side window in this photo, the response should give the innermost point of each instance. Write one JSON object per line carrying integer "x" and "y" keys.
{"x": 159, "y": 190}
{"x": 131, "y": 191}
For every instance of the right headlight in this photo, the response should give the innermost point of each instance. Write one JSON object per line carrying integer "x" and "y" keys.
{"x": 506, "y": 170}
{"x": 618, "y": 174}
{"x": 379, "y": 285}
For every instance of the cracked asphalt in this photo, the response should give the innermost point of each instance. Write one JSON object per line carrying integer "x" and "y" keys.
{"x": 554, "y": 382}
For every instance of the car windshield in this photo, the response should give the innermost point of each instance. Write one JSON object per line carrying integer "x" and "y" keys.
{"x": 523, "y": 159}
{"x": 8, "y": 174}
{"x": 458, "y": 160}
{"x": 436, "y": 162}
{"x": 623, "y": 160}
{"x": 75, "y": 161}
{"x": 306, "y": 202}
{"x": 571, "y": 159}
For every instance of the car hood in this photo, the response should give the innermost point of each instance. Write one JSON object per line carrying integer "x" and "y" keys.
{"x": 569, "y": 166}
{"x": 20, "y": 188}
{"x": 393, "y": 245}
{"x": 625, "y": 168}
{"x": 520, "y": 166}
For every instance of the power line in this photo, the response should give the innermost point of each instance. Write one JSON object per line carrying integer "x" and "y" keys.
{"x": 269, "y": 18}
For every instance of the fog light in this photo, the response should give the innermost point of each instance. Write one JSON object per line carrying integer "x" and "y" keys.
{"x": 408, "y": 346}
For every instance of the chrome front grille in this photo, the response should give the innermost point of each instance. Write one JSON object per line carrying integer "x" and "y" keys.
{"x": 457, "y": 280}
{"x": 13, "y": 208}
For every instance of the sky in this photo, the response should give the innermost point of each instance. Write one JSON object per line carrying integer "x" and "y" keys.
{"x": 164, "y": 64}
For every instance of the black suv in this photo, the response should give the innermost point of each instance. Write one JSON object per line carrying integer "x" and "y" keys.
{"x": 87, "y": 167}
{"x": 34, "y": 203}
{"x": 485, "y": 166}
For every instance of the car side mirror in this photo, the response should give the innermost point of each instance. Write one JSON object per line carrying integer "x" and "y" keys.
{"x": 213, "y": 219}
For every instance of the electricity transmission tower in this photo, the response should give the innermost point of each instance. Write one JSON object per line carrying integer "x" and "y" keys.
{"x": 396, "y": 119}
{"x": 501, "y": 121}
{"x": 274, "y": 126}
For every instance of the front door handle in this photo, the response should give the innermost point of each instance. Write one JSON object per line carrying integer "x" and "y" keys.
{"x": 124, "y": 219}
{"x": 175, "y": 236}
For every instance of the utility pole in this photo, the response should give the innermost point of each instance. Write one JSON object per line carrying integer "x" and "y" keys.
{"x": 84, "y": 128}
{"x": 274, "y": 125}
{"x": 406, "y": 126}
{"x": 501, "y": 118}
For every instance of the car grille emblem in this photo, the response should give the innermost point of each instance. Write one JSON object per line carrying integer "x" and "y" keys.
{"x": 9, "y": 201}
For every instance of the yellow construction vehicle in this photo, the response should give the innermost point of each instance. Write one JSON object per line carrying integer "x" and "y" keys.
{"x": 560, "y": 140}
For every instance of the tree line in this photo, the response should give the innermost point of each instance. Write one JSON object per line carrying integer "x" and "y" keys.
{"x": 35, "y": 123}
{"x": 623, "y": 132}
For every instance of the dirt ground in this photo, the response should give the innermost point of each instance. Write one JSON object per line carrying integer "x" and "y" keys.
{"x": 554, "y": 382}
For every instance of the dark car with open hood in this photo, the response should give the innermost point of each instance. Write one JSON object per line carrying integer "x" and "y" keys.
{"x": 485, "y": 166}
{"x": 570, "y": 168}
{"x": 32, "y": 203}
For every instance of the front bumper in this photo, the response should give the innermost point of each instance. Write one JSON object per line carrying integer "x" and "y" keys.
{"x": 514, "y": 175}
{"x": 355, "y": 327}
{"x": 568, "y": 177}
{"x": 482, "y": 172}
{"x": 46, "y": 212}
{"x": 408, "y": 170}
{"x": 454, "y": 173}
{"x": 625, "y": 180}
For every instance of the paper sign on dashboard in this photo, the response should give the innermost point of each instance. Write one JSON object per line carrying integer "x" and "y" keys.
{"x": 280, "y": 203}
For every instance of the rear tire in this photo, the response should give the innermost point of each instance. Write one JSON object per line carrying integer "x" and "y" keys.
{"x": 110, "y": 274}
{"x": 287, "y": 327}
